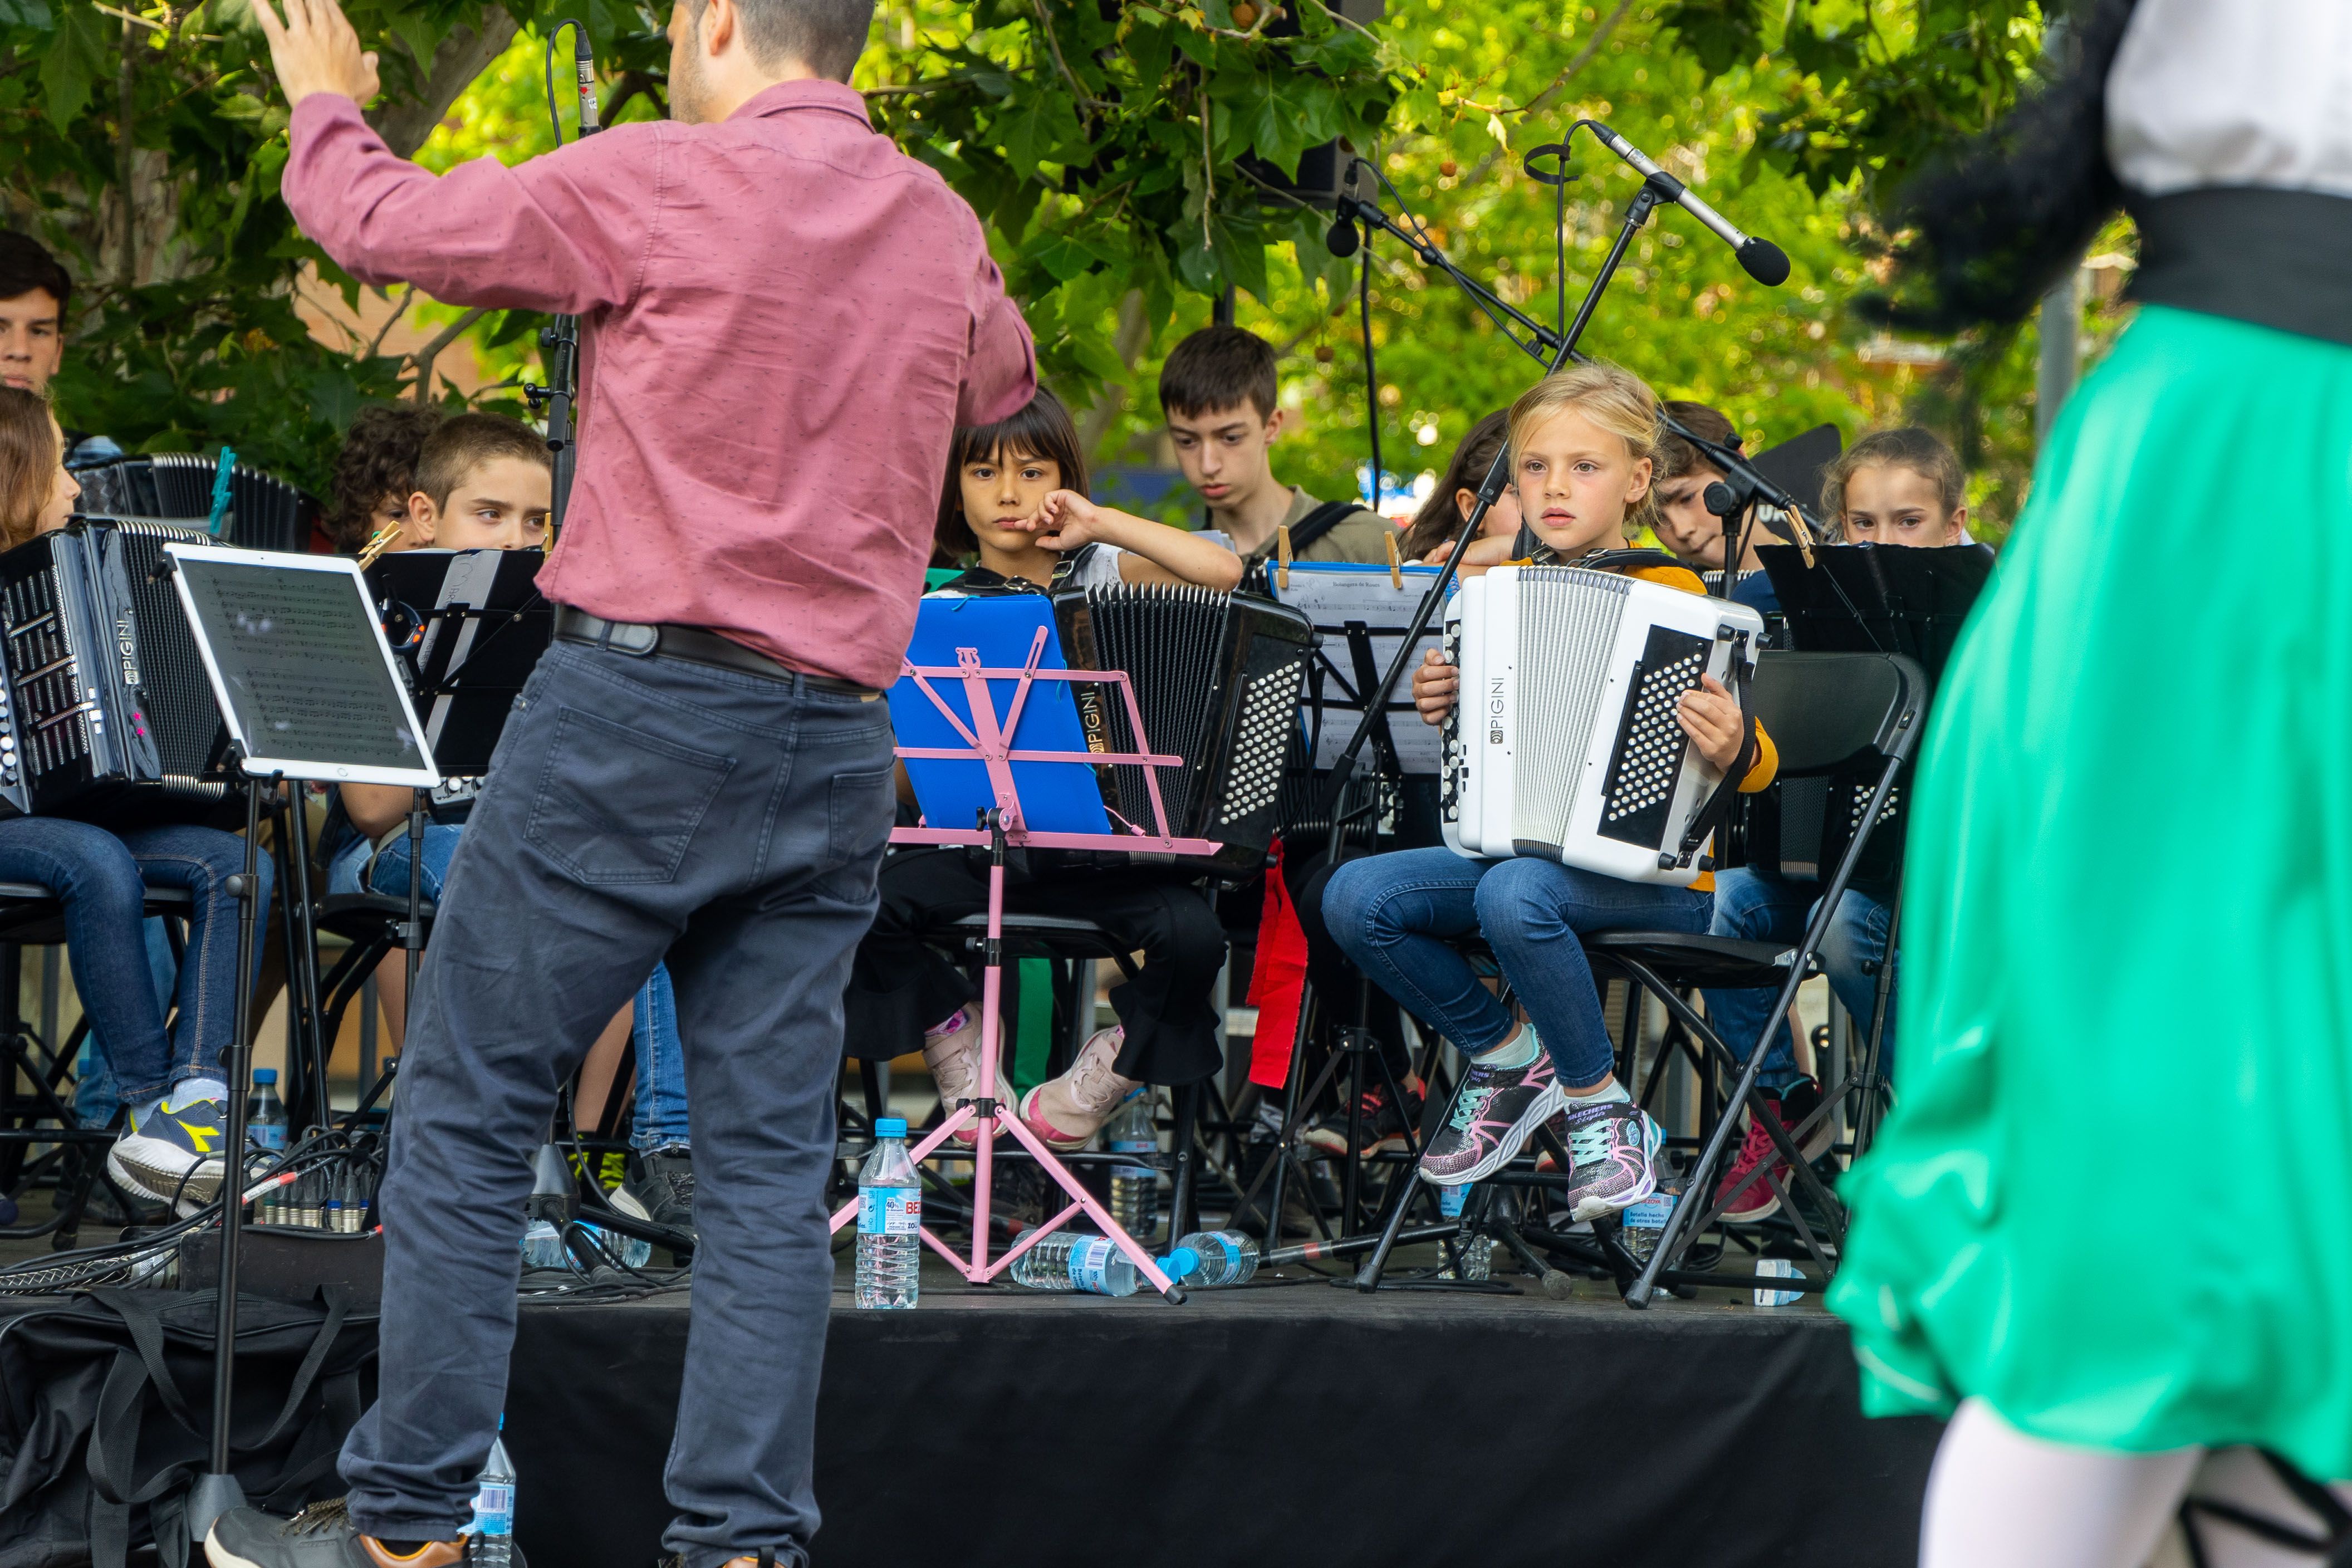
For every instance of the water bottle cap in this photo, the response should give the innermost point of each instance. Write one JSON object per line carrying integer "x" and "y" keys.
{"x": 265, "y": 1075}
{"x": 1179, "y": 1263}
{"x": 890, "y": 1127}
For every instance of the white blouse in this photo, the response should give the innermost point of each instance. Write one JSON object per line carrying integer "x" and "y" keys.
{"x": 2233, "y": 92}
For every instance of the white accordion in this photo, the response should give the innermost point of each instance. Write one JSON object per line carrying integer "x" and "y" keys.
{"x": 1564, "y": 743}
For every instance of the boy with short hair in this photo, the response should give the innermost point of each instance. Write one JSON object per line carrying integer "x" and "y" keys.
{"x": 34, "y": 290}
{"x": 1218, "y": 393}
{"x": 483, "y": 482}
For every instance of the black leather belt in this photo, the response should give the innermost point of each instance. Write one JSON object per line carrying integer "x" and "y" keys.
{"x": 694, "y": 645}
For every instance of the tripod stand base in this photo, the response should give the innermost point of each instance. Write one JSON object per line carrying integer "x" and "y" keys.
{"x": 209, "y": 1496}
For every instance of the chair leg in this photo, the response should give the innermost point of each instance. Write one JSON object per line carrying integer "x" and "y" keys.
{"x": 1186, "y": 1099}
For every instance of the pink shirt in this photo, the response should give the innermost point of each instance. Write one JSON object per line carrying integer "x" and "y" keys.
{"x": 782, "y": 319}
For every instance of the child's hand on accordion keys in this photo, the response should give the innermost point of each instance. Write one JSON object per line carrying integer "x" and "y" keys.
{"x": 1434, "y": 683}
{"x": 1710, "y": 717}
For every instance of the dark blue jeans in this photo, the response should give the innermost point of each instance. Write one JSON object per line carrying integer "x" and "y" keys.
{"x": 657, "y": 1117}
{"x": 102, "y": 878}
{"x": 1392, "y": 914}
{"x": 1754, "y": 907}
{"x": 635, "y": 807}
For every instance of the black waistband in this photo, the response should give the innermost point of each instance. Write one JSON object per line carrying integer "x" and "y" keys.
{"x": 2277, "y": 259}
{"x": 694, "y": 645}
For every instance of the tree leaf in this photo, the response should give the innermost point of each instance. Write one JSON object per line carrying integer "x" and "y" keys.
{"x": 74, "y": 61}
{"x": 33, "y": 13}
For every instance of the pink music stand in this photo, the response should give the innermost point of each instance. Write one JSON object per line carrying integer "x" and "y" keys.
{"x": 991, "y": 743}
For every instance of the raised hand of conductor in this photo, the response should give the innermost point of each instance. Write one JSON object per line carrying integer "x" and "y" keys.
{"x": 314, "y": 49}
{"x": 1709, "y": 716}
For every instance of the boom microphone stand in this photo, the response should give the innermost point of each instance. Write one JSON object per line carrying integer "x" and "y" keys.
{"x": 1560, "y": 347}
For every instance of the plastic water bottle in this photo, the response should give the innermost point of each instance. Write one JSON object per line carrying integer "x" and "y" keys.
{"x": 1640, "y": 1227}
{"x": 265, "y": 1121}
{"x": 1209, "y": 1258}
{"x": 1476, "y": 1252}
{"x": 494, "y": 1507}
{"x": 542, "y": 1246}
{"x": 1134, "y": 1189}
{"x": 889, "y": 1216}
{"x": 1067, "y": 1262}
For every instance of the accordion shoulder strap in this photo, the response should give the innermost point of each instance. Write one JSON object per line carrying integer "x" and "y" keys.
{"x": 1307, "y": 529}
{"x": 1712, "y": 817}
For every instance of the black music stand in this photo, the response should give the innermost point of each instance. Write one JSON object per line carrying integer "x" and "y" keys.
{"x": 1875, "y": 598}
{"x": 307, "y": 689}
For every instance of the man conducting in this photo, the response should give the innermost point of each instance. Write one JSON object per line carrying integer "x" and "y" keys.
{"x": 783, "y": 317}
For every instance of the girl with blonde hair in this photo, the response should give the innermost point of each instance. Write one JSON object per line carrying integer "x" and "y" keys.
{"x": 1583, "y": 446}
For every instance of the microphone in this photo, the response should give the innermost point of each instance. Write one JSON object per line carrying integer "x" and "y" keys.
{"x": 584, "y": 64}
{"x": 1341, "y": 238}
{"x": 1764, "y": 261}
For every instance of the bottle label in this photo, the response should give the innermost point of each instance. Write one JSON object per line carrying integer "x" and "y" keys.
{"x": 1089, "y": 1260}
{"x": 267, "y": 1135}
{"x": 1135, "y": 1146}
{"x": 889, "y": 1211}
{"x": 494, "y": 1511}
{"x": 1450, "y": 1201}
{"x": 1651, "y": 1212}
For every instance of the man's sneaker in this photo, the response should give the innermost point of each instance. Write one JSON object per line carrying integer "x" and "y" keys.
{"x": 321, "y": 1536}
{"x": 172, "y": 1154}
{"x": 1789, "y": 1107}
{"x": 659, "y": 1187}
{"x": 1381, "y": 1126}
{"x": 1495, "y": 1113}
{"x": 1067, "y": 1110}
{"x": 1615, "y": 1148}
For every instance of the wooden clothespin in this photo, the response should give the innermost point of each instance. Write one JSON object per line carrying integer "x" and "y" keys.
{"x": 1282, "y": 556}
{"x": 1396, "y": 566}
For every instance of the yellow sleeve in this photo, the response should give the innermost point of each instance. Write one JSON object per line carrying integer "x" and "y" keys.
{"x": 1767, "y": 763}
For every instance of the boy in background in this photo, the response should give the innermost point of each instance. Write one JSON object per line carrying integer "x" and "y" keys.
{"x": 1218, "y": 393}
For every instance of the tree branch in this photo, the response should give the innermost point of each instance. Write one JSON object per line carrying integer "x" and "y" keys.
{"x": 406, "y": 299}
{"x": 126, "y": 159}
{"x": 1060, "y": 64}
{"x": 463, "y": 55}
{"x": 423, "y": 358}
{"x": 1559, "y": 83}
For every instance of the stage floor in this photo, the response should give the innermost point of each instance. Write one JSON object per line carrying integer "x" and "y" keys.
{"x": 1284, "y": 1421}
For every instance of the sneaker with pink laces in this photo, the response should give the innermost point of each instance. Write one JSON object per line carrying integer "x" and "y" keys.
{"x": 1067, "y": 1110}
{"x": 954, "y": 1060}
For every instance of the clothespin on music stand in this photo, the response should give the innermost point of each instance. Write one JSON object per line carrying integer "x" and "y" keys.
{"x": 1282, "y": 557}
{"x": 1396, "y": 566}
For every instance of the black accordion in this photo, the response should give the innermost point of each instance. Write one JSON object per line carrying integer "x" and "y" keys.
{"x": 106, "y": 713}
{"x": 265, "y": 513}
{"x": 1217, "y": 679}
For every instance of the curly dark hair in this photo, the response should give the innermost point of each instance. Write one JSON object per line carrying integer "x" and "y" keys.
{"x": 378, "y": 460}
{"x": 1998, "y": 225}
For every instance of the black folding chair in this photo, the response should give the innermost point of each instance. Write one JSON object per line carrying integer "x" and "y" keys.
{"x": 376, "y": 926}
{"x": 36, "y": 1075}
{"x": 1828, "y": 713}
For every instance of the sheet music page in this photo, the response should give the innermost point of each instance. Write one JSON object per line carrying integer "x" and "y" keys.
{"x": 1332, "y": 593}
{"x": 301, "y": 657}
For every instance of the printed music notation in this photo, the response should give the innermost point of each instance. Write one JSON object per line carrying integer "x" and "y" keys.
{"x": 301, "y": 657}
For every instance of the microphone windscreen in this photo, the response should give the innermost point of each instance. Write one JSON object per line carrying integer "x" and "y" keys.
{"x": 1341, "y": 238}
{"x": 1765, "y": 262}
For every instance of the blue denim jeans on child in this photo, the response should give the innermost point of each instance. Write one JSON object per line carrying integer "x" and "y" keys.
{"x": 102, "y": 878}
{"x": 1392, "y": 914}
{"x": 658, "y": 1120}
{"x": 1754, "y": 907}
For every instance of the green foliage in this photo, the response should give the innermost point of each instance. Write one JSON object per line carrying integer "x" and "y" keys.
{"x": 1125, "y": 155}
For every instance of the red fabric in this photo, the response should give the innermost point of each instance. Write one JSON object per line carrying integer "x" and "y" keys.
{"x": 782, "y": 320}
{"x": 1277, "y": 980}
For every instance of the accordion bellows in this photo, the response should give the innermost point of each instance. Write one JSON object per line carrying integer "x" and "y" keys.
{"x": 1217, "y": 679}
{"x": 265, "y": 513}
{"x": 106, "y": 712}
{"x": 1564, "y": 743}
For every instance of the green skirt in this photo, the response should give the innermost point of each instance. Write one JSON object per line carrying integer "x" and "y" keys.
{"x": 2115, "y": 1201}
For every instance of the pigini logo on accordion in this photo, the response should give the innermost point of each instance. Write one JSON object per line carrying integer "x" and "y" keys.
{"x": 1579, "y": 674}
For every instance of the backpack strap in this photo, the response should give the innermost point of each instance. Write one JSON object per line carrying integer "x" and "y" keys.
{"x": 1331, "y": 514}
